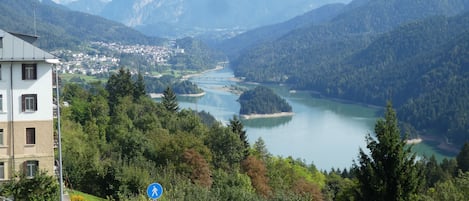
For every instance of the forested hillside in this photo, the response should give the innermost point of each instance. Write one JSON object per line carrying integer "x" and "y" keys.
{"x": 262, "y": 100}
{"x": 233, "y": 46}
{"x": 132, "y": 141}
{"x": 197, "y": 56}
{"x": 58, "y": 27}
{"x": 419, "y": 65}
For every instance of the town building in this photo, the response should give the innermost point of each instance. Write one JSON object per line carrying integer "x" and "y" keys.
{"x": 26, "y": 107}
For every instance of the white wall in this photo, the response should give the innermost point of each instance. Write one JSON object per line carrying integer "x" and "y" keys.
{"x": 42, "y": 87}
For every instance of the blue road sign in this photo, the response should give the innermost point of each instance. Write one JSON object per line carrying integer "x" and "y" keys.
{"x": 155, "y": 190}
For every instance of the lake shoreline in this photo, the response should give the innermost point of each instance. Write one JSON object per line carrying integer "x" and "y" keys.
{"x": 273, "y": 115}
{"x": 188, "y": 76}
{"x": 160, "y": 95}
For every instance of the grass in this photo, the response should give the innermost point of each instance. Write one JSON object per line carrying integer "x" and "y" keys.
{"x": 86, "y": 78}
{"x": 87, "y": 197}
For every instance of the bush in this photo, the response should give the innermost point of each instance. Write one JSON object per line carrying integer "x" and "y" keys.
{"x": 77, "y": 198}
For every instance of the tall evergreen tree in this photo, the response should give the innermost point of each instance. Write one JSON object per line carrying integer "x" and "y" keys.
{"x": 119, "y": 85}
{"x": 463, "y": 158}
{"x": 238, "y": 128}
{"x": 389, "y": 172}
{"x": 169, "y": 100}
{"x": 139, "y": 87}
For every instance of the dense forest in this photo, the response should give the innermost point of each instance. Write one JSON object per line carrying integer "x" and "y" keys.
{"x": 132, "y": 141}
{"x": 415, "y": 59}
{"x": 233, "y": 46}
{"x": 158, "y": 85}
{"x": 262, "y": 100}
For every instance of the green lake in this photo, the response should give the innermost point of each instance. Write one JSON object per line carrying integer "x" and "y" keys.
{"x": 327, "y": 133}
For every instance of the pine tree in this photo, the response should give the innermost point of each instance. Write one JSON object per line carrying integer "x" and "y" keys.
{"x": 238, "y": 128}
{"x": 463, "y": 158}
{"x": 118, "y": 86}
{"x": 169, "y": 100}
{"x": 139, "y": 87}
{"x": 389, "y": 172}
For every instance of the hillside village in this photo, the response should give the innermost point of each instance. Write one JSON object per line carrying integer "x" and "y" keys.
{"x": 107, "y": 56}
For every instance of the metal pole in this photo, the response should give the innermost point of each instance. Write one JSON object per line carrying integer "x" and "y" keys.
{"x": 58, "y": 132}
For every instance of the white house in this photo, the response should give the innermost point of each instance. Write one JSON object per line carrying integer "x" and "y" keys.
{"x": 26, "y": 107}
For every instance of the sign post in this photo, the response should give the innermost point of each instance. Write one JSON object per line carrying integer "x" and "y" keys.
{"x": 155, "y": 191}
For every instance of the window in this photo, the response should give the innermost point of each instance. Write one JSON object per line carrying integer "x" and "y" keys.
{"x": 1, "y": 42}
{"x": 1, "y": 103}
{"x": 30, "y": 136}
{"x": 29, "y": 102}
{"x": 1, "y": 136}
{"x": 0, "y": 71}
{"x": 29, "y": 72}
{"x": 31, "y": 168}
{"x": 2, "y": 170}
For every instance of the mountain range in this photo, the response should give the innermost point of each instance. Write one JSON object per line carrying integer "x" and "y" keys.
{"x": 414, "y": 53}
{"x": 375, "y": 51}
{"x": 59, "y": 27}
{"x": 177, "y": 18}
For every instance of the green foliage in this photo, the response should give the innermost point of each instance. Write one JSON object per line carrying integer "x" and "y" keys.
{"x": 62, "y": 28}
{"x": 287, "y": 174}
{"x": 196, "y": 56}
{"x": 262, "y": 100}
{"x": 389, "y": 172}
{"x": 41, "y": 187}
{"x": 238, "y": 128}
{"x": 226, "y": 146}
{"x": 463, "y": 158}
{"x": 376, "y": 51}
{"x": 169, "y": 100}
{"x": 158, "y": 85}
{"x": 451, "y": 190}
{"x": 339, "y": 188}
{"x": 139, "y": 141}
{"x": 260, "y": 150}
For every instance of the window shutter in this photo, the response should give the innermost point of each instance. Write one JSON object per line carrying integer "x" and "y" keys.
{"x": 35, "y": 102}
{"x": 23, "y": 103}
{"x": 25, "y": 168}
{"x": 34, "y": 71}
{"x": 23, "y": 72}
{"x": 36, "y": 167}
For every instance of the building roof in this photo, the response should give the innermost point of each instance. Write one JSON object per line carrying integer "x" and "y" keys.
{"x": 14, "y": 48}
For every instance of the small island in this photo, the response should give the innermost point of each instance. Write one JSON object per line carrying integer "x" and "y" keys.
{"x": 262, "y": 102}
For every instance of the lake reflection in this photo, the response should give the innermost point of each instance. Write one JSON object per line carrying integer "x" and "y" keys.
{"x": 266, "y": 122}
{"x": 323, "y": 132}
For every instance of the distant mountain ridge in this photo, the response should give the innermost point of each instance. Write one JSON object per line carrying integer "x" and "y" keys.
{"x": 59, "y": 27}
{"x": 176, "y": 18}
{"x": 263, "y": 34}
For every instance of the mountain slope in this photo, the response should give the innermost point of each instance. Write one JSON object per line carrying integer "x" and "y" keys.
{"x": 177, "y": 18}
{"x": 421, "y": 65}
{"x": 318, "y": 45}
{"x": 59, "y": 27}
{"x": 234, "y": 45}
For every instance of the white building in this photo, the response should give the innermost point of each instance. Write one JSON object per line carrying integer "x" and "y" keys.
{"x": 26, "y": 107}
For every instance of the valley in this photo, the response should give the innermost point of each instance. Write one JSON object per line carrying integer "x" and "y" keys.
{"x": 244, "y": 100}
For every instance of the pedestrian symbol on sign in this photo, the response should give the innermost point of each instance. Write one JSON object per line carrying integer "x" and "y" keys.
{"x": 155, "y": 190}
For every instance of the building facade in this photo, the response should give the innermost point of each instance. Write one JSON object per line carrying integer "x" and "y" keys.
{"x": 26, "y": 107}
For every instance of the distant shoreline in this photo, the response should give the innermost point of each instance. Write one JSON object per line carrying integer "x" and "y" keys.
{"x": 414, "y": 141}
{"x": 160, "y": 95}
{"x": 188, "y": 76}
{"x": 273, "y": 115}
